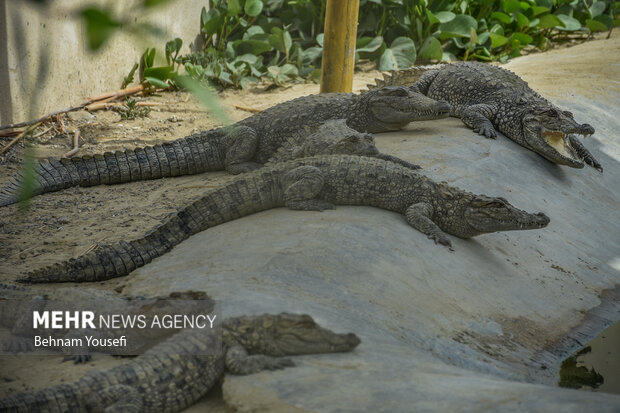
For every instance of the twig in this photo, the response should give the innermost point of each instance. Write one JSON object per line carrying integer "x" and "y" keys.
{"x": 76, "y": 145}
{"x": 247, "y": 109}
{"x": 18, "y": 137}
{"x": 103, "y": 105}
{"x": 5, "y": 134}
{"x": 93, "y": 246}
{"x": 108, "y": 96}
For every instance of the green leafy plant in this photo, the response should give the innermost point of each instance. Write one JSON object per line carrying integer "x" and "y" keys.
{"x": 130, "y": 110}
{"x": 280, "y": 41}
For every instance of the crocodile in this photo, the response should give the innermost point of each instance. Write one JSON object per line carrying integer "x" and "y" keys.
{"x": 489, "y": 98}
{"x": 174, "y": 374}
{"x": 17, "y": 304}
{"x": 241, "y": 147}
{"x": 315, "y": 183}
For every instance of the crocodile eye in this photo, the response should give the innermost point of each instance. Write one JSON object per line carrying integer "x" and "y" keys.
{"x": 522, "y": 100}
{"x": 496, "y": 204}
{"x": 569, "y": 114}
{"x": 400, "y": 92}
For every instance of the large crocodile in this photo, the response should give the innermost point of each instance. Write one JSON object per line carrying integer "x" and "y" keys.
{"x": 315, "y": 183}
{"x": 241, "y": 147}
{"x": 176, "y": 373}
{"x": 17, "y": 305}
{"x": 489, "y": 99}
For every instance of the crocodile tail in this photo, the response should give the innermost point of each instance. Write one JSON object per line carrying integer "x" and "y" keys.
{"x": 59, "y": 398}
{"x": 403, "y": 77}
{"x": 186, "y": 156}
{"x": 245, "y": 195}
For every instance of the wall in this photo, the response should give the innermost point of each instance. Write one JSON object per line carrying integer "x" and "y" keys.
{"x": 44, "y": 61}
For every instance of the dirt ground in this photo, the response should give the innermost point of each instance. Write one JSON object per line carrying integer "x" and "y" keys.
{"x": 65, "y": 224}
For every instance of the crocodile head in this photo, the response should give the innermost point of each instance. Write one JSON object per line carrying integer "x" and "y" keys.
{"x": 484, "y": 214}
{"x": 393, "y": 107}
{"x": 334, "y": 137}
{"x": 547, "y": 131}
{"x": 288, "y": 334}
{"x": 470, "y": 215}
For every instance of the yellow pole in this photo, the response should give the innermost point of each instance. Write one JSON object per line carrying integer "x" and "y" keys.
{"x": 339, "y": 45}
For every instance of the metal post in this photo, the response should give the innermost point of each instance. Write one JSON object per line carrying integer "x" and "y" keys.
{"x": 339, "y": 45}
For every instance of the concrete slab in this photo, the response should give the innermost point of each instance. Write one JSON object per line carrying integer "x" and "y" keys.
{"x": 482, "y": 328}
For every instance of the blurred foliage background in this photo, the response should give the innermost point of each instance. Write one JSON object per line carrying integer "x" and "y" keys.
{"x": 279, "y": 41}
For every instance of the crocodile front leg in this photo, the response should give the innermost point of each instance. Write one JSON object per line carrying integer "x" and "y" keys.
{"x": 584, "y": 153}
{"x": 301, "y": 187}
{"x": 478, "y": 118}
{"x": 239, "y": 362}
{"x": 419, "y": 216}
{"x": 241, "y": 144}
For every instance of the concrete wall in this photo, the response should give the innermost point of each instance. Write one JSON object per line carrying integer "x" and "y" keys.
{"x": 44, "y": 61}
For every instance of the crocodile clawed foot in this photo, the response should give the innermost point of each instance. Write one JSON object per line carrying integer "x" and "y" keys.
{"x": 278, "y": 363}
{"x": 487, "y": 132}
{"x": 78, "y": 358}
{"x": 442, "y": 239}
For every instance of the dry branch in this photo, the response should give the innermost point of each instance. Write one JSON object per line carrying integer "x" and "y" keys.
{"x": 76, "y": 145}
{"x": 106, "y": 97}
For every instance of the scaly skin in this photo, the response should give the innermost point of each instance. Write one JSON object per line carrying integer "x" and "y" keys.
{"x": 18, "y": 303}
{"x": 307, "y": 184}
{"x": 237, "y": 148}
{"x": 176, "y": 373}
{"x": 333, "y": 137}
{"x": 489, "y": 99}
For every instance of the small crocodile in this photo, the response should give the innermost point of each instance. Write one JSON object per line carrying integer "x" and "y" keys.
{"x": 174, "y": 374}
{"x": 315, "y": 183}
{"x": 241, "y": 147}
{"x": 17, "y": 305}
{"x": 488, "y": 99}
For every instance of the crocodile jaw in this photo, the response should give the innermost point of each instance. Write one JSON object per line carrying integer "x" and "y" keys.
{"x": 559, "y": 149}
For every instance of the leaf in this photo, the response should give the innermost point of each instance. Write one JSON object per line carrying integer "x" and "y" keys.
{"x": 445, "y": 16}
{"x": 280, "y": 39}
{"x": 252, "y": 46}
{"x": 253, "y": 7}
{"x": 522, "y": 38}
{"x": 458, "y": 27}
{"x": 522, "y": 21}
{"x": 129, "y": 78}
{"x": 511, "y": 6}
{"x": 502, "y": 17}
{"x": 156, "y": 82}
{"x": 400, "y": 55}
{"x": 595, "y": 26}
{"x": 370, "y": 45}
{"x": 570, "y": 23}
{"x": 606, "y": 20}
{"x": 536, "y": 10}
{"x": 205, "y": 96}
{"x": 497, "y": 29}
{"x": 234, "y": 8}
{"x": 431, "y": 49}
{"x": 161, "y": 73}
{"x": 99, "y": 26}
{"x": 213, "y": 22}
{"x": 549, "y": 21}
{"x": 432, "y": 19}
{"x": 498, "y": 40}
{"x": 597, "y": 8}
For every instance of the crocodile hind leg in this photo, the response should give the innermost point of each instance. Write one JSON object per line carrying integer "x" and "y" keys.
{"x": 301, "y": 187}
{"x": 584, "y": 153}
{"x": 241, "y": 144}
{"x": 238, "y": 361}
{"x": 478, "y": 118}
{"x": 419, "y": 216}
{"x": 116, "y": 398}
